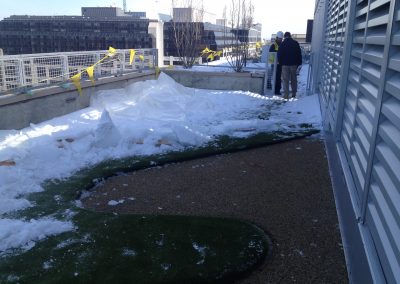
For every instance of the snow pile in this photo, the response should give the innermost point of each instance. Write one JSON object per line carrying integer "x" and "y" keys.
{"x": 17, "y": 233}
{"x": 144, "y": 118}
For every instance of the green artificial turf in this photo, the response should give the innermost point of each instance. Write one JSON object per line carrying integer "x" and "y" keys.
{"x": 141, "y": 249}
{"x": 108, "y": 248}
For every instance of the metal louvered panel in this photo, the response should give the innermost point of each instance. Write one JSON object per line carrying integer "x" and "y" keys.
{"x": 332, "y": 61}
{"x": 383, "y": 207}
{"x": 356, "y": 132}
{"x": 365, "y": 106}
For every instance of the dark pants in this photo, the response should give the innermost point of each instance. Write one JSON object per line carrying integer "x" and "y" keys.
{"x": 278, "y": 82}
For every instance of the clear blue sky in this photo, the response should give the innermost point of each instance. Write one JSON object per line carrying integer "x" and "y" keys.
{"x": 274, "y": 15}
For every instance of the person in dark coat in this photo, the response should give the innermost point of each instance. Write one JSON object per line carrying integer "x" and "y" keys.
{"x": 274, "y": 48}
{"x": 289, "y": 56}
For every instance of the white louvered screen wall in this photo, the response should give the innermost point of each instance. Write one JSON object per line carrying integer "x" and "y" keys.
{"x": 332, "y": 59}
{"x": 361, "y": 107}
{"x": 356, "y": 135}
{"x": 383, "y": 200}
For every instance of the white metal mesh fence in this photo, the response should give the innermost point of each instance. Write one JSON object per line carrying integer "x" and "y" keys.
{"x": 10, "y": 74}
{"x": 23, "y": 72}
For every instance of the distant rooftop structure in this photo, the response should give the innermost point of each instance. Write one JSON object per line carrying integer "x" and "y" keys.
{"x": 164, "y": 17}
{"x": 257, "y": 26}
{"x": 102, "y": 12}
{"x": 110, "y": 12}
{"x": 136, "y": 15}
{"x": 192, "y": 15}
{"x": 224, "y": 22}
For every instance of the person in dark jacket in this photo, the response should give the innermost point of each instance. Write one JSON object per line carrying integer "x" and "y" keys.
{"x": 289, "y": 56}
{"x": 274, "y": 48}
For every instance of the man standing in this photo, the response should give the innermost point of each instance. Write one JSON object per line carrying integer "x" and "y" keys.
{"x": 289, "y": 56}
{"x": 274, "y": 48}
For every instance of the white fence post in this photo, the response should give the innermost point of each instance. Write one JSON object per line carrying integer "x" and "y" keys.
{"x": 123, "y": 63}
{"x": 3, "y": 76}
{"x": 155, "y": 58}
{"x": 65, "y": 67}
{"x": 21, "y": 73}
{"x": 97, "y": 69}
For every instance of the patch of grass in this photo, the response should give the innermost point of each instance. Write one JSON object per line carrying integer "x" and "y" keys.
{"x": 141, "y": 249}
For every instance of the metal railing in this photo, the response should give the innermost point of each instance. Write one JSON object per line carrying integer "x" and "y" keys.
{"x": 170, "y": 60}
{"x": 20, "y": 73}
{"x": 270, "y": 71}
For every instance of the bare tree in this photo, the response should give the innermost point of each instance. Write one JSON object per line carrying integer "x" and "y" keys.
{"x": 241, "y": 21}
{"x": 188, "y": 29}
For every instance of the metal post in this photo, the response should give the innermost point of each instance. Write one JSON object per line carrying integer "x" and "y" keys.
{"x": 21, "y": 73}
{"x": 3, "y": 75}
{"x": 266, "y": 75}
{"x": 273, "y": 68}
{"x": 309, "y": 76}
{"x": 47, "y": 68}
{"x": 155, "y": 58}
{"x": 97, "y": 69}
{"x": 123, "y": 68}
{"x": 33, "y": 73}
{"x": 65, "y": 67}
{"x": 141, "y": 64}
{"x": 273, "y": 77}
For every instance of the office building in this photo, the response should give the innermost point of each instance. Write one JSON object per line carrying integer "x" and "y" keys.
{"x": 99, "y": 29}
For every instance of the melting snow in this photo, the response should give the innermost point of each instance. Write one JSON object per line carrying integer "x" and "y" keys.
{"x": 113, "y": 202}
{"x": 145, "y": 118}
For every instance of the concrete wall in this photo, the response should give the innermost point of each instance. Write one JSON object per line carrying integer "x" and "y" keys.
{"x": 19, "y": 111}
{"x": 252, "y": 82}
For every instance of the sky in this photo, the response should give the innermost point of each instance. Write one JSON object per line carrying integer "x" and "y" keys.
{"x": 144, "y": 118}
{"x": 274, "y": 15}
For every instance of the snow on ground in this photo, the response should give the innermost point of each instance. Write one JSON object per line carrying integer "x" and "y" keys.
{"x": 222, "y": 65}
{"x": 144, "y": 118}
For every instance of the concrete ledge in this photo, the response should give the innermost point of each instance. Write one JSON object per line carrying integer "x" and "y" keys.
{"x": 19, "y": 111}
{"x": 246, "y": 81}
